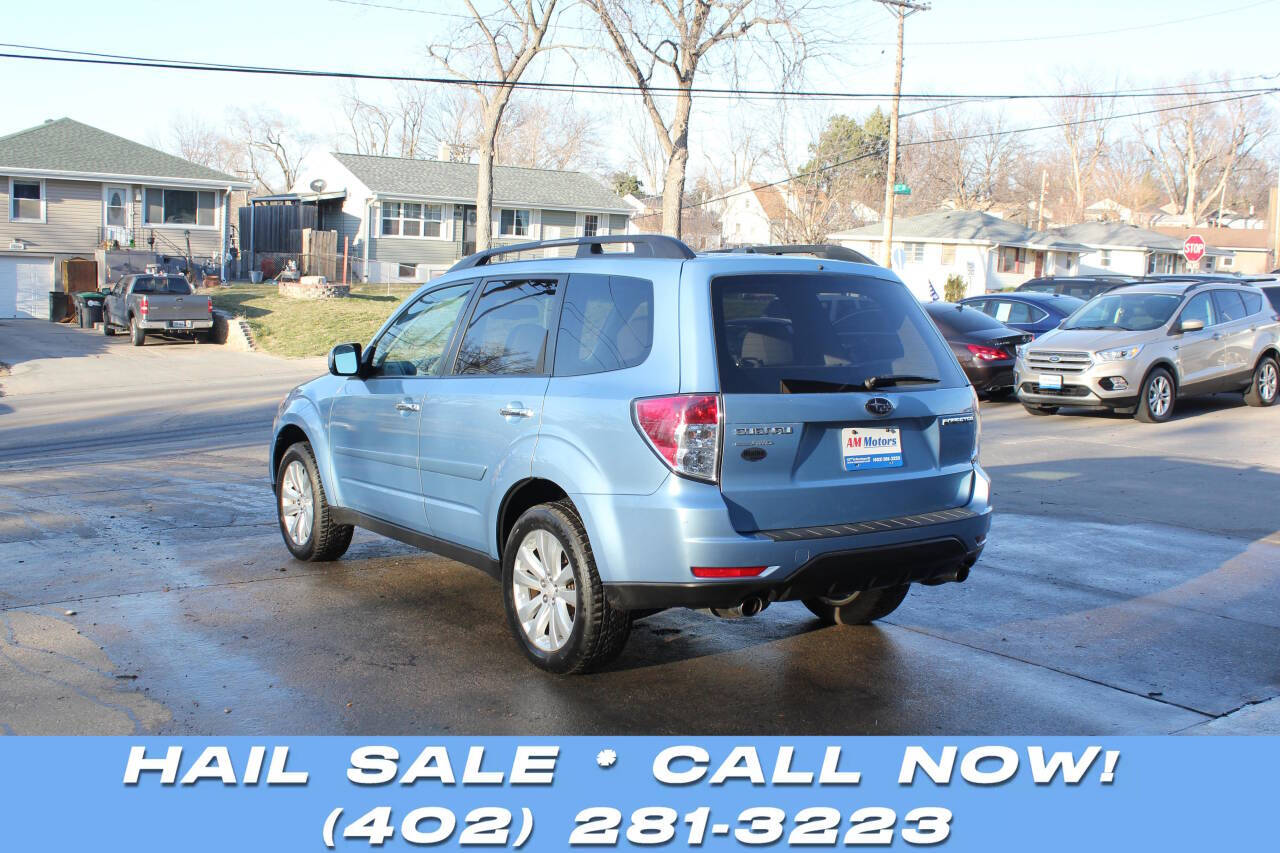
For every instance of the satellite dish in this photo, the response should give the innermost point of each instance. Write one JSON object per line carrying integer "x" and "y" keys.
{"x": 318, "y": 185}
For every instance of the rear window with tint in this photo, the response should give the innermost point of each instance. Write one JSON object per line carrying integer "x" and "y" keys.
{"x": 1252, "y": 302}
{"x": 778, "y": 334}
{"x": 953, "y": 320}
{"x": 162, "y": 284}
{"x": 1273, "y": 295}
{"x": 606, "y": 324}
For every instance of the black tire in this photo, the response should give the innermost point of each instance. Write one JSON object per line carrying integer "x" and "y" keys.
{"x": 327, "y": 540}
{"x": 1148, "y": 411}
{"x": 1040, "y": 410}
{"x": 861, "y": 608}
{"x": 599, "y": 631}
{"x": 1257, "y": 393}
{"x": 106, "y": 325}
{"x": 137, "y": 334}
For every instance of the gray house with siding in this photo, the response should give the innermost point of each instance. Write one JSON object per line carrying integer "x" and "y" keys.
{"x": 67, "y": 189}
{"x": 408, "y": 219}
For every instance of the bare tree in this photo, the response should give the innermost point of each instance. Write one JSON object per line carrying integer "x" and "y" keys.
{"x": 1125, "y": 176}
{"x": 970, "y": 159}
{"x": 550, "y": 134}
{"x": 1084, "y": 119}
{"x": 1194, "y": 146}
{"x": 273, "y": 150}
{"x": 200, "y": 142}
{"x": 507, "y": 48}
{"x": 679, "y": 36}
{"x": 397, "y": 127}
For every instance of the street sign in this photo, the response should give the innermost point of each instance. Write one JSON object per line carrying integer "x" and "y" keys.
{"x": 1193, "y": 248}
{"x": 901, "y": 189}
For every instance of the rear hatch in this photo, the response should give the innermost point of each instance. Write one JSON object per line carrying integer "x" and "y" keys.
{"x": 806, "y": 362}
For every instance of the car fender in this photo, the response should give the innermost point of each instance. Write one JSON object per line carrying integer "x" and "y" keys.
{"x": 513, "y": 468}
{"x": 302, "y": 412}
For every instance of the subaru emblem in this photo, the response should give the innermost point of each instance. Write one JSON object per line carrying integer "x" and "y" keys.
{"x": 879, "y": 406}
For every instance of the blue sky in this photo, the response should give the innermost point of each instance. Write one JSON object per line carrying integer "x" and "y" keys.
{"x": 960, "y": 45}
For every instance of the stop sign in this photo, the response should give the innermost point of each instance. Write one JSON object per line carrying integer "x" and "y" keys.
{"x": 1193, "y": 248}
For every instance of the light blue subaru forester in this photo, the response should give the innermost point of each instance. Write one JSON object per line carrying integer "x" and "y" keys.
{"x": 612, "y": 433}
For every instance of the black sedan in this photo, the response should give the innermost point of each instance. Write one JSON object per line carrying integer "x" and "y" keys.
{"x": 1026, "y": 311}
{"x": 983, "y": 346}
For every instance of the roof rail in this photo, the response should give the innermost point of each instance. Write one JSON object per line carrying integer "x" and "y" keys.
{"x": 644, "y": 245}
{"x": 821, "y": 250}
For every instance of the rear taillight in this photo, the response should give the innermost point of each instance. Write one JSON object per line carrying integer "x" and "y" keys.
{"x": 144, "y": 307}
{"x": 986, "y": 353}
{"x": 684, "y": 430}
{"x": 210, "y": 304}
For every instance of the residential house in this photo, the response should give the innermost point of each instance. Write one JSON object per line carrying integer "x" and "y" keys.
{"x": 989, "y": 253}
{"x": 69, "y": 188}
{"x": 408, "y": 219}
{"x": 1250, "y": 249}
{"x": 1121, "y": 249}
{"x": 699, "y": 223}
{"x": 754, "y": 213}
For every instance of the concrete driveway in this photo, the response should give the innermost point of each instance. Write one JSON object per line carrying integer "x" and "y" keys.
{"x": 1132, "y": 585}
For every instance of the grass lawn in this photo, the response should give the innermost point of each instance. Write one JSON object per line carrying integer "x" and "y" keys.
{"x": 304, "y": 327}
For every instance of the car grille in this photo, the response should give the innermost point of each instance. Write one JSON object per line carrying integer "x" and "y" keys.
{"x": 1048, "y": 361}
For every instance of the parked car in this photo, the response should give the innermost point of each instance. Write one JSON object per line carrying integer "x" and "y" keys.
{"x": 617, "y": 433}
{"x": 158, "y": 303}
{"x": 1031, "y": 311}
{"x": 1081, "y": 287}
{"x": 1141, "y": 348}
{"x": 983, "y": 345}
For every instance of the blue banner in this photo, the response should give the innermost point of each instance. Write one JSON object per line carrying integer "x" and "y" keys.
{"x": 309, "y": 793}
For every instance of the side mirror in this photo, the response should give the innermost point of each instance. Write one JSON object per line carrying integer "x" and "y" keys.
{"x": 1191, "y": 325}
{"x": 344, "y": 360}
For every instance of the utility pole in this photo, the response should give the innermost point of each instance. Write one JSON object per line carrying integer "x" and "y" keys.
{"x": 900, "y": 9}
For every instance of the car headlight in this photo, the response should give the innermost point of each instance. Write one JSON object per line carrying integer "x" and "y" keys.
{"x": 1122, "y": 354}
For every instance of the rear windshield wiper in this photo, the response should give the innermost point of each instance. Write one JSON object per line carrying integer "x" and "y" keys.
{"x": 898, "y": 379}
{"x": 823, "y": 386}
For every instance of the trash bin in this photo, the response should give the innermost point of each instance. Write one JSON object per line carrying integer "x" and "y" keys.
{"x": 57, "y": 306}
{"x": 89, "y": 309}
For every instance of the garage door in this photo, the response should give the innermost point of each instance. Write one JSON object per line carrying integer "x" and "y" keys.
{"x": 24, "y": 287}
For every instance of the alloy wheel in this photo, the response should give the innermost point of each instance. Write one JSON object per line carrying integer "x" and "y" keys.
{"x": 546, "y": 594}
{"x": 297, "y": 509}
{"x": 1268, "y": 381}
{"x": 1159, "y": 396}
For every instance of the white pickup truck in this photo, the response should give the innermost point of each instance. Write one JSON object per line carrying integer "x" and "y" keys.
{"x": 156, "y": 303}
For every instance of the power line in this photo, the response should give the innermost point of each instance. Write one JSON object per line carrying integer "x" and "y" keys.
{"x": 126, "y": 60}
{"x": 984, "y": 135}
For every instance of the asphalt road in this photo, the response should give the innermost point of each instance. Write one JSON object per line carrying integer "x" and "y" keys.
{"x": 1131, "y": 585}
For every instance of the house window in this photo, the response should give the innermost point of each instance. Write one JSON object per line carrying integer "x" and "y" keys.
{"x": 408, "y": 271}
{"x": 913, "y": 252}
{"x": 1104, "y": 258}
{"x": 948, "y": 255}
{"x": 1228, "y": 262}
{"x": 590, "y": 225}
{"x": 412, "y": 219}
{"x": 116, "y": 206}
{"x": 514, "y": 223}
{"x": 1012, "y": 259}
{"x": 179, "y": 207}
{"x": 26, "y": 201}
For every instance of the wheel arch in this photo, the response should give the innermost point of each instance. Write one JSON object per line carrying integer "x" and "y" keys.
{"x": 1170, "y": 368}
{"x": 1268, "y": 350}
{"x": 521, "y": 497}
{"x": 287, "y": 436}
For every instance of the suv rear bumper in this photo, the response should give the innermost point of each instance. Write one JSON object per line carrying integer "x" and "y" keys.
{"x": 645, "y": 548}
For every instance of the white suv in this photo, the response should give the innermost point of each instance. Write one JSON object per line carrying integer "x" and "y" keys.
{"x": 1141, "y": 347}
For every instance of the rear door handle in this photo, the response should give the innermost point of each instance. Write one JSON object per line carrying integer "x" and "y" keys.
{"x": 515, "y": 410}
{"x": 408, "y": 406}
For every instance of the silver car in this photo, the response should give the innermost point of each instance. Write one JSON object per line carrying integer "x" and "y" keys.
{"x": 1140, "y": 348}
